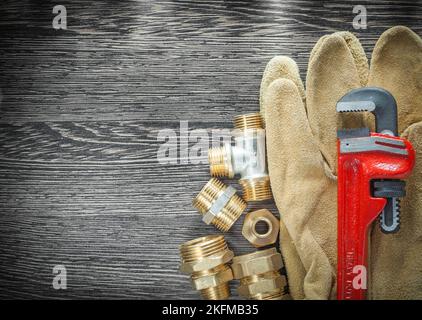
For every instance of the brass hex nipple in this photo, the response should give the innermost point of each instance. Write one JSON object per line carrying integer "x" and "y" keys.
{"x": 259, "y": 275}
{"x": 219, "y": 204}
{"x": 247, "y": 158}
{"x": 205, "y": 259}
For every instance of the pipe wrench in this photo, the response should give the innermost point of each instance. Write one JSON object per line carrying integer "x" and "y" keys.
{"x": 370, "y": 166}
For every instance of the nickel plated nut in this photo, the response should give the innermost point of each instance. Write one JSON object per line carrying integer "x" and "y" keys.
{"x": 259, "y": 275}
{"x": 256, "y": 238}
{"x": 206, "y": 260}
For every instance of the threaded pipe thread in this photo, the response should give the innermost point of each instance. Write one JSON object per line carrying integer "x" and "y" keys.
{"x": 199, "y": 248}
{"x": 256, "y": 189}
{"x": 219, "y": 163}
{"x": 230, "y": 213}
{"x": 249, "y": 121}
{"x": 275, "y": 295}
{"x": 220, "y": 292}
{"x": 211, "y": 191}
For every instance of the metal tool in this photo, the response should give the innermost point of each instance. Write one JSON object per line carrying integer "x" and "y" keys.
{"x": 369, "y": 168}
{"x": 383, "y": 105}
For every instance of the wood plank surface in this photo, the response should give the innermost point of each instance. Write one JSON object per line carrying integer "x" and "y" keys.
{"x": 80, "y": 113}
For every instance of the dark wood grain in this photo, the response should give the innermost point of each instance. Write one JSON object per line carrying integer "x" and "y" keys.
{"x": 81, "y": 108}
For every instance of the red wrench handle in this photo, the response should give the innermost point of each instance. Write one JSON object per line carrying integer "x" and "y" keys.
{"x": 357, "y": 209}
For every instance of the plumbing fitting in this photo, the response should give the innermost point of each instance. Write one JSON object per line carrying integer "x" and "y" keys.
{"x": 255, "y": 237}
{"x": 206, "y": 260}
{"x": 219, "y": 204}
{"x": 246, "y": 158}
{"x": 259, "y": 275}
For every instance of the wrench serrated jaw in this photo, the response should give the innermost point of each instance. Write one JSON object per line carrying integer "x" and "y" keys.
{"x": 355, "y": 106}
{"x": 391, "y": 224}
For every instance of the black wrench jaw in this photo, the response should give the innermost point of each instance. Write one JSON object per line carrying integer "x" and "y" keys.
{"x": 392, "y": 190}
{"x": 376, "y": 100}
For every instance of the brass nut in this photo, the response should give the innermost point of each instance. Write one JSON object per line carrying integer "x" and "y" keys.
{"x": 264, "y": 286}
{"x": 213, "y": 280}
{"x": 259, "y": 275}
{"x": 206, "y": 260}
{"x": 250, "y": 224}
{"x": 219, "y": 205}
{"x": 257, "y": 262}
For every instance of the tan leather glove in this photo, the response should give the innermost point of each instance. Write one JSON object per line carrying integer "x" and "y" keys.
{"x": 396, "y": 269}
{"x": 302, "y": 160}
{"x": 301, "y": 142}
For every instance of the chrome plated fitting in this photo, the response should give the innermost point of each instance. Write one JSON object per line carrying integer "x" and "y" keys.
{"x": 219, "y": 204}
{"x": 247, "y": 157}
{"x": 259, "y": 275}
{"x": 206, "y": 260}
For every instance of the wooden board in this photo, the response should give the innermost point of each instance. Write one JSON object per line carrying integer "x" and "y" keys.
{"x": 80, "y": 111}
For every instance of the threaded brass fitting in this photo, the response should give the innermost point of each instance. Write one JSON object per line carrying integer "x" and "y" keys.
{"x": 250, "y": 232}
{"x": 259, "y": 275}
{"x": 247, "y": 158}
{"x": 256, "y": 189}
{"x": 206, "y": 260}
{"x": 249, "y": 121}
{"x": 220, "y": 161}
{"x": 219, "y": 204}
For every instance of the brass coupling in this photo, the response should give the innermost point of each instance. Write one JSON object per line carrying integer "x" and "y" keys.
{"x": 247, "y": 157}
{"x": 206, "y": 260}
{"x": 219, "y": 204}
{"x": 259, "y": 275}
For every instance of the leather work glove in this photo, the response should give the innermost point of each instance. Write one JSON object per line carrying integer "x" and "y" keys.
{"x": 396, "y": 268}
{"x": 301, "y": 142}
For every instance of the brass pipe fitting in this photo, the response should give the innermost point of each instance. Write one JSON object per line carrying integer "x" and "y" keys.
{"x": 247, "y": 157}
{"x": 206, "y": 260}
{"x": 255, "y": 237}
{"x": 219, "y": 204}
{"x": 259, "y": 275}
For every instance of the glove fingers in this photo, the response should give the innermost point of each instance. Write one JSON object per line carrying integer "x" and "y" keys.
{"x": 292, "y": 151}
{"x": 280, "y": 67}
{"x": 338, "y": 64}
{"x": 396, "y": 66}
